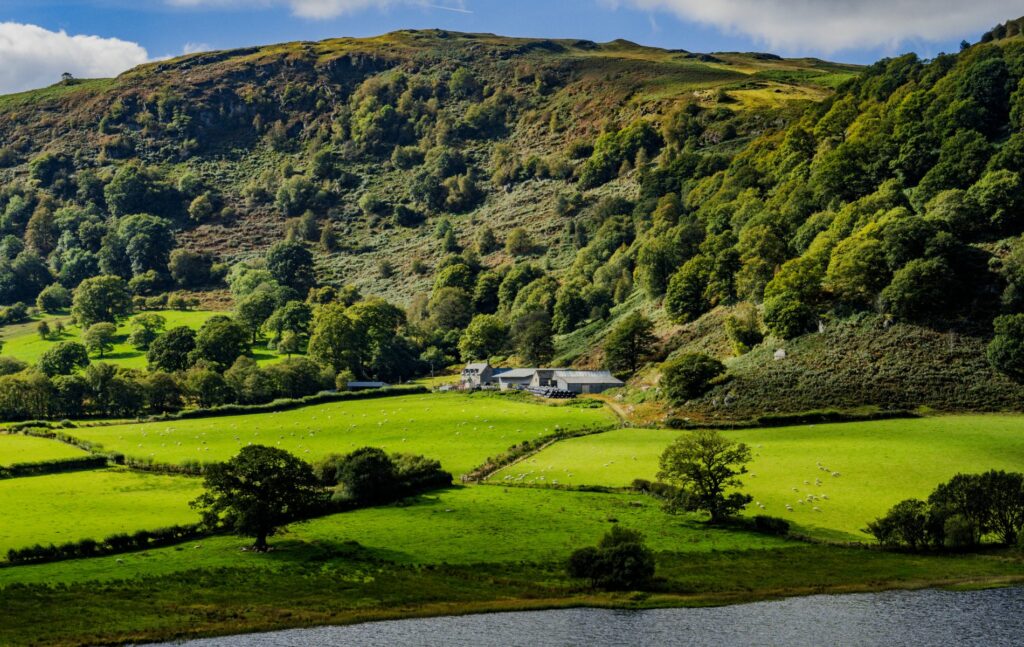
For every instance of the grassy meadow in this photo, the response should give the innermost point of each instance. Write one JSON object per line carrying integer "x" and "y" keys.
{"x": 461, "y": 525}
{"x": 879, "y": 463}
{"x": 470, "y": 548}
{"x": 459, "y": 430}
{"x": 15, "y": 448}
{"x": 23, "y": 342}
{"x": 59, "y": 508}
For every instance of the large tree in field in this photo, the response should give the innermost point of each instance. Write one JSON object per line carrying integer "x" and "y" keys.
{"x": 259, "y": 491}
{"x": 99, "y": 337}
{"x": 101, "y": 298}
{"x": 703, "y": 464}
{"x": 628, "y": 343}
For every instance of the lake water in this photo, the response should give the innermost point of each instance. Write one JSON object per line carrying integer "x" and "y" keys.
{"x": 991, "y": 617}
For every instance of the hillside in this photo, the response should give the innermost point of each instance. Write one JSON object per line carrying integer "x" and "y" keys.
{"x": 875, "y": 244}
{"x": 237, "y": 124}
{"x": 523, "y": 198}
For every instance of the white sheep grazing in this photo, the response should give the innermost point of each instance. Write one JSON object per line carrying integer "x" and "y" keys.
{"x": 816, "y": 509}
{"x": 807, "y": 482}
{"x": 824, "y": 496}
{"x": 789, "y": 507}
{"x": 796, "y": 489}
{"x": 836, "y": 474}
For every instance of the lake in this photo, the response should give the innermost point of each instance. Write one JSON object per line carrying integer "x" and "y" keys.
{"x": 909, "y": 618}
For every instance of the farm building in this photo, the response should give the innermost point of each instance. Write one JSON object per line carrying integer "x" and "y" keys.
{"x": 477, "y": 375}
{"x": 364, "y": 386}
{"x": 515, "y": 378}
{"x": 545, "y": 377}
{"x": 586, "y": 381}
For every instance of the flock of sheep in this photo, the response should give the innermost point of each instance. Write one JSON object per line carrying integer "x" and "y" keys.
{"x": 809, "y": 499}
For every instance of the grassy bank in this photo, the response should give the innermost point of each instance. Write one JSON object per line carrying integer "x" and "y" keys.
{"x": 345, "y": 584}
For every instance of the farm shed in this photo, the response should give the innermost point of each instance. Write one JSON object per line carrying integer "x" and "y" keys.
{"x": 586, "y": 381}
{"x": 516, "y": 378}
{"x": 365, "y": 386}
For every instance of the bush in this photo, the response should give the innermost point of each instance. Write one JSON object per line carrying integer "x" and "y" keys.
{"x": 689, "y": 376}
{"x": 54, "y": 298}
{"x": 959, "y": 533}
{"x": 620, "y": 561}
{"x": 118, "y": 543}
{"x": 771, "y": 525}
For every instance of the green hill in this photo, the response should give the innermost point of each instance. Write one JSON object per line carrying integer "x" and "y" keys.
{"x": 557, "y": 186}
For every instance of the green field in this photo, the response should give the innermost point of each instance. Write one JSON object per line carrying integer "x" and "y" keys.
{"x": 466, "y": 525}
{"x": 15, "y": 448}
{"x": 459, "y": 430}
{"x": 880, "y": 463}
{"x": 90, "y": 505}
{"x": 21, "y": 341}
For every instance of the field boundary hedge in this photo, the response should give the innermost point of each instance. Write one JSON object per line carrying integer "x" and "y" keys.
{"x": 96, "y": 449}
{"x": 525, "y": 449}
{"x": 55, "y": 466}
{"x": 112, "y": 545}
{"x": 824, "y": 416}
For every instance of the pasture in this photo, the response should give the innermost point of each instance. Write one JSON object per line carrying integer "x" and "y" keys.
{"x": 15, "y": 448}
{"x": 60, "y": 508}
{"x": 468, "y": 525}
{"x": 459, "y": 430}
{"x": 878, "y": 464}
{"x": 21, "y": 341}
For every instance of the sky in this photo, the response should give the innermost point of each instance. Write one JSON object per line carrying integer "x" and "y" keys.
{"x": 40, "y": 39}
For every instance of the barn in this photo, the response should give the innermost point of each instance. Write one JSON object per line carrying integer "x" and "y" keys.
{"x": 586, "y": 381}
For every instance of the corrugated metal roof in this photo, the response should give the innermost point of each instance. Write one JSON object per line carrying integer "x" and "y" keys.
{"x": 517, "y": 373}
{"x": 587, "y": 377}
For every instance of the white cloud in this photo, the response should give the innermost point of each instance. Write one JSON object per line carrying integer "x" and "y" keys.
{"x": 322, "y": 9}
{"x": 195, "y": 48}
{"x": 35, "y": 57}
{"x": 830, "y": 26}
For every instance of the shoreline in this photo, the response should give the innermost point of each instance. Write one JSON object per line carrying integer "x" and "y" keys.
{"x": 635, "y": 601}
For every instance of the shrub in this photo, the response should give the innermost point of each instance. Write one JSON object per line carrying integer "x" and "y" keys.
{"x": 620, "y": 561}
{"x": 689, "y": 376}
{"x": 958, "y": 532}
{"x": 771, "y": 525}
{"x": 54, "y": 298}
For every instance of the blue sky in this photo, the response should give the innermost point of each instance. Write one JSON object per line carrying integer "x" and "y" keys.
{"x": 102, "y": 37}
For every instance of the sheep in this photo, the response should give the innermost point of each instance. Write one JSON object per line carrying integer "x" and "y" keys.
{"x": 836, "y": 474}
{"x": 817, "y": 509}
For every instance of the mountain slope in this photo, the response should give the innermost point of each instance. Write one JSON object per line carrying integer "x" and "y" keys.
{"x": 237, "y": 124}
